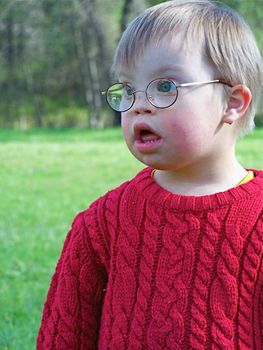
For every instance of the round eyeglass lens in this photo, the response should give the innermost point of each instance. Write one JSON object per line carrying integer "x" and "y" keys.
{"x": 120, "y": 97}
{"x": 162, "y": 93}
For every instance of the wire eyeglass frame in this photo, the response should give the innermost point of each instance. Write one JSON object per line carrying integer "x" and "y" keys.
{"x": 150, "y": 98}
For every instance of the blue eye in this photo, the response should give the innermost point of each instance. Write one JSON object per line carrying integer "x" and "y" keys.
{"x": 128, "y": 90}
{"x": 165, "y": 86}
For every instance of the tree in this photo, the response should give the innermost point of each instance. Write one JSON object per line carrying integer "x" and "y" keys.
{"x": 56, "y": 55}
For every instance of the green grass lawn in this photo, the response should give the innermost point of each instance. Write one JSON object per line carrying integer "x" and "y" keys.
{"x": 46, "y": 177}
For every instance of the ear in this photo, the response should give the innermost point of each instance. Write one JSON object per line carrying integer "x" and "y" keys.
{"x": 239, "y": 101}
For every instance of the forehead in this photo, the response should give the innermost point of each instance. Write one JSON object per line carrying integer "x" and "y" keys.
{"x": 167, "y": 56}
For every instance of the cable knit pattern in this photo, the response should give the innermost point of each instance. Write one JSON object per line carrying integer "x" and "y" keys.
{"x": 146, "y": 269}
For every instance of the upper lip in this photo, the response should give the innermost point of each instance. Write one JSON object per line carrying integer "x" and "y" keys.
{"x": 140, "y": 127}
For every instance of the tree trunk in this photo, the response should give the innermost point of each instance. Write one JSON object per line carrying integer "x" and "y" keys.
{"x": 82, "y": 65}
{"x": 126, "y": 10}
{"x": 91, "y": 53}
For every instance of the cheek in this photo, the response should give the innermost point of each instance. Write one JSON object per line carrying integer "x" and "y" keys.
{"x": 189, "y": 133}
{"x": 181, "y": 126}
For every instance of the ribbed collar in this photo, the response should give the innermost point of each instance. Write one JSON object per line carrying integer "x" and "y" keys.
{"x": 151, "y": 191}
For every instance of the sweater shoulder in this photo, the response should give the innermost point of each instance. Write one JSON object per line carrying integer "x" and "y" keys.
{"x": 111, "y": 198}
{"x": 100, "y": 219}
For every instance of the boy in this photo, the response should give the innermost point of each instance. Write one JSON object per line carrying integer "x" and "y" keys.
{"x": 173, "y": 258}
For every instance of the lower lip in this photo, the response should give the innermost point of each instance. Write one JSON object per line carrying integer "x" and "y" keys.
{"x": 148, "y": 147}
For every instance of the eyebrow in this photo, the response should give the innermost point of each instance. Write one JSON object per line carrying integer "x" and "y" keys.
{"x": 168, "y": 68}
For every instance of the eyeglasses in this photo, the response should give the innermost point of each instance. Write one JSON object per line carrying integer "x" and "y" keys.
{"x": 161, "y": 93}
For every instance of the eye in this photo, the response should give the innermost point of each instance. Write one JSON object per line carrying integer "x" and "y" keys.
{"x": 165, "y": 86}
{"x": 128, "y": 90}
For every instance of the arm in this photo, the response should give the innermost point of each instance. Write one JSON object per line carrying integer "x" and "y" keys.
{"x": 72, "y": 310}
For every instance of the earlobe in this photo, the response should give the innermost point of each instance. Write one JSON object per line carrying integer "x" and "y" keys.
{"x": 238, "y": 103}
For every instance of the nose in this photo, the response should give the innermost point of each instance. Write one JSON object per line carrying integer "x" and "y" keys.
{"x": 141, "y": 104}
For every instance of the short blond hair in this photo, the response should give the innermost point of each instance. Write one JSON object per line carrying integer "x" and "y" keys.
{"x": 228, "y": 43}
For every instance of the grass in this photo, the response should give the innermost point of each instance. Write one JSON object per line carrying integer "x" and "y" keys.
{"x": 46, "y": 177}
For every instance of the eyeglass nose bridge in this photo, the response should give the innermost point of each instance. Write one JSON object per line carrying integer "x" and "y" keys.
{"x": 148, "y": 97}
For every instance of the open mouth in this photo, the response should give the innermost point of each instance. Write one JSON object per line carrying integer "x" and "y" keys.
{"x": 144, "y": 134}
{"x": 146, "y": 139}
{"x": 148, "y": 136}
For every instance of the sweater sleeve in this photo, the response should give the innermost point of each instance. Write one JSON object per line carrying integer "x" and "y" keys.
{"x": 72, "y": 309}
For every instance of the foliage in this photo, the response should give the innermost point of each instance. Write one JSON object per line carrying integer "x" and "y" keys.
{"x": 61, "y": 51}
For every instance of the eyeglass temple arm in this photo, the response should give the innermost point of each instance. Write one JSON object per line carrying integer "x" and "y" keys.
{"x": 204, "y": 82}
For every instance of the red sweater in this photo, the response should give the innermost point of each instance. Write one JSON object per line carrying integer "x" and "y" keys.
{"x": 146, "y": 269}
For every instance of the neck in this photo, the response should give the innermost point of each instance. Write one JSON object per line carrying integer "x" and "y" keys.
{"x": 202, "y": 179}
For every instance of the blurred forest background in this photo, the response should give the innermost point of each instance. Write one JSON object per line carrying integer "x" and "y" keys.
{"x": 55, "y": 58}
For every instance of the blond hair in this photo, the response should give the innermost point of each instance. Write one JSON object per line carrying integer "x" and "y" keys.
{"x": 227, "y": 40}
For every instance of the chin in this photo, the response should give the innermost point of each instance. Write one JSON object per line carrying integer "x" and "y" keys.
{"x": 152, "y": 161}
{"x": 155, "y": 165}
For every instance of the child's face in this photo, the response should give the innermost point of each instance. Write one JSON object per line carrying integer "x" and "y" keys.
{"x": 188, "y": 132}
